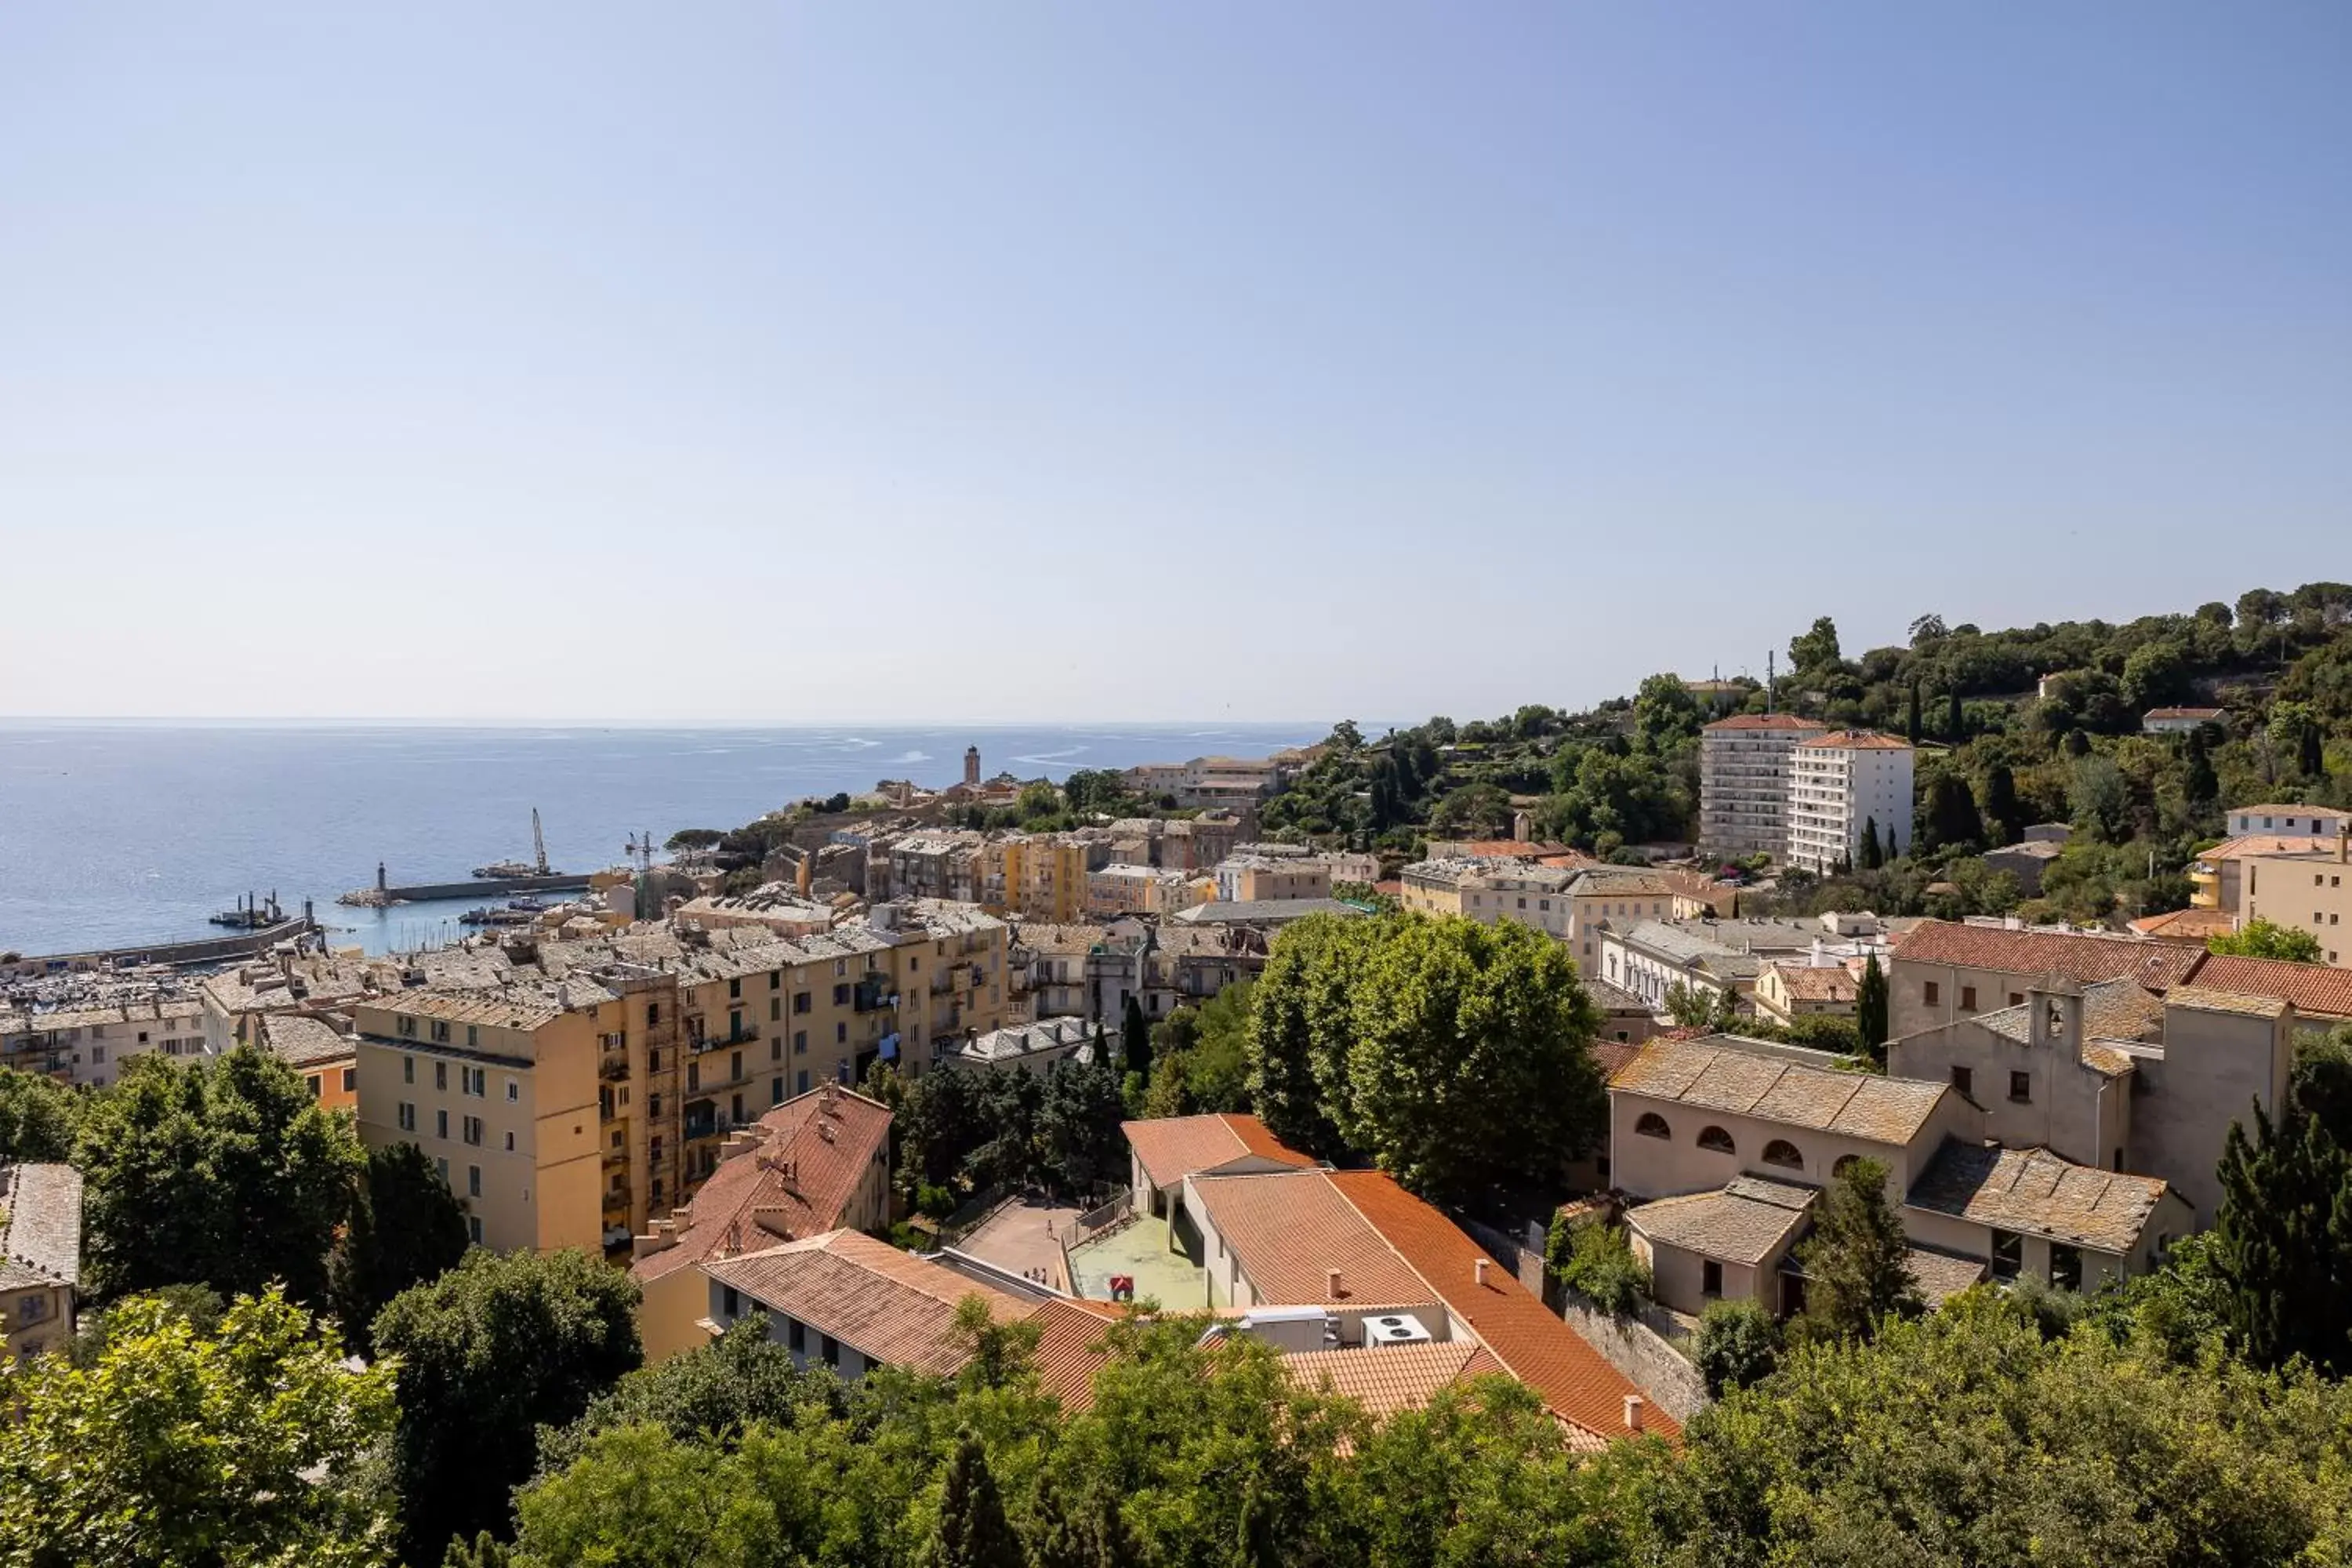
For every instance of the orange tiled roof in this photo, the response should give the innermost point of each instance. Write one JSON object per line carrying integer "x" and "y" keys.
{"x": 1767, "y": 722}
{"x": 2158, "y": 966}
{"x": 1290, "y": 1229}
{"x": 1173, "y": 1147}
{"x": 1070, "y": 1347}
{"x": 1858, "y": 741}
{"x": 1529, "y": 1339}
{"x": 2184, "y": 925}
{"x": 2247, "y": 844}
{"x": 1386, "y": 1379}
{"x": 1812, "y": 983}
{"x": 2314, "y": 989}
{"x": 747, "y": 1204}
{"x": 888, "y": 1305}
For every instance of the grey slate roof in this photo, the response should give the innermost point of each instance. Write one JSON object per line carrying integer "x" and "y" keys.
{"x": 42, "y": 1236}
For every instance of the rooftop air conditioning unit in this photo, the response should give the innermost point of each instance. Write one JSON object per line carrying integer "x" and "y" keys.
{"x": 1396, "y": 1328}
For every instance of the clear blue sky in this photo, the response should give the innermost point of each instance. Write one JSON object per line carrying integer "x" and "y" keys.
{"x": 1002, "y": 362}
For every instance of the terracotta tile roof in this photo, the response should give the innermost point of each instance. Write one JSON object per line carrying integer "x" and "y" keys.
{"x": 1508, "y": 849}
{"x": 1070, "y": 1347}
{"x": 829, "y": 1137}
{"x": 40, "y": 1225}
{"x": 1390, "y": 1378}
{"x": 2184, "y": 925}
{"x": 889, "y": 1306}
{"x": 1773, "y": 1089}
{"x": 2314, "y": 990}
{"x": 1766, "y": 721}
{"x": 1858, "y": 741}
{"x": 1817, "y": 983}
{"x": 1290, "y": 1229}
{"x": 1742, "y": 1222}
{"x": 1173, "y": 1147}
{"x": 2085, "y": 958}
{"x": 2288, "y": 808}
{"x": 2034, "y": 1191}
{"x": 1530, "y": 1340}
{"x": 2247, "y": 844}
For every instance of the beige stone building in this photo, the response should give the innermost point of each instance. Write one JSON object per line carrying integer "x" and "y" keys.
{"x": 817, "y": 1163}
{"x": 1252, "y": 879}
{"x": 1730, "y": 1140}
{"x": 1788, "y": 992}
{"x": 40, "y": 1256}
{"x": 2309, "y": 891}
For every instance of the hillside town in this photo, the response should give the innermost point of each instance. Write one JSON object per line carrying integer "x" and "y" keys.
{"x": 1353, "y": 1064}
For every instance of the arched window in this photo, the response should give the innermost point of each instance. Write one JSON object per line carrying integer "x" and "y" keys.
{"x": 1652, "y": 1125}
{"x": 1716, "y": 1139}
{"x": 1781, "y": 1151}
{"x": 1844, "y": 1164}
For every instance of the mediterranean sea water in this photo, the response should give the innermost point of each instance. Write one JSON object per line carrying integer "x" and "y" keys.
{"x": 118, "y": 834}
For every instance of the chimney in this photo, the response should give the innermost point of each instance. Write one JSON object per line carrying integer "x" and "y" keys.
{"x": 1632, "y": 1413}
{"x": 1331, "y": 1283}
{"x": 2344, "y": 842}
{"x": 1479, "y": 1269}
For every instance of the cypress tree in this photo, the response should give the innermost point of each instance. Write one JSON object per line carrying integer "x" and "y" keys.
{"x": 1955, "y": 722}
{"x": 1870, "y": 858}
{"x": 1856, "y": 1263}
{"x": 972, "y": 1530}
{"x": 2197, "y": 780}
{"x": 2283, "y": 1242}
{"x": 1135, "y": 1040}
{"x": 1082, "y": 1532}
{"x": 2311, "y": 754}
{"x": 1911, "y": 730}
{"x": 1870, "y": 1008}
{"x": 2001, "y": 803}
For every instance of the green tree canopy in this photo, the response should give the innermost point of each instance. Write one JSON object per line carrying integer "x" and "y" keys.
{"x": 1456, "y": 1055}
{"x": 2263, "y": 939}
{"x": 488, "y": 1352}
{"x": 1856, "y": 1263}
{"x": 2282, "y": 1245}
{"x": 405, "y": 1228}
{"x": 178, "y": 1449}
{"x": 38, "y": 1117}
{"x": 224, "y": 1174}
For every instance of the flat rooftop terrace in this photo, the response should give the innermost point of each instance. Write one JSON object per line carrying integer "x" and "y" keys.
{"x": 1139, "y": 1248}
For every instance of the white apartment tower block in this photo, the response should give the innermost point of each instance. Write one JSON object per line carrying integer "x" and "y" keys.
{"x": 1744, "y": 765}
{"x": 1837, "y": 783}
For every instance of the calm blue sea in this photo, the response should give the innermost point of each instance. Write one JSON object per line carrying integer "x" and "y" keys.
{"x": 117, "y": 833}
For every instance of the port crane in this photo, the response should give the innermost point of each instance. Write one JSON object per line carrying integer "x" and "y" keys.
{"x": 538, "y": 842}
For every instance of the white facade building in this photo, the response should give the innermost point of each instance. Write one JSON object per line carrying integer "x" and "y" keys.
{"x": 1837, "y": 783}
{"x": 1744, "y": 765}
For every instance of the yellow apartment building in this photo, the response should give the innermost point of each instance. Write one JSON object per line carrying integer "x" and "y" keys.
{"x": 2310, "y": 891}
{"x": 499, "y": 1090}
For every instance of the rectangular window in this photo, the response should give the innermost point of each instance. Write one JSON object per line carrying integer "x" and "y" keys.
{"x": 800, "y": 1042}
{"x": 775, "y": 1091}
{"x": 2008, "y": 1254}
{"x": 1968, "y": 998}
{"x": 1931, "y": 993}
{"x": 514, "y": 1090}
{"x": 653, "y": 1014}
{"x": 474, "y": 1131}
{"x": 408, "y": 1026}
{"x": 841, "y": 1034}
{"x": 735, "y": 988}
{"x": 796, "y": 1336}
{"x": 775, "y": 1009}
{"x": 802, "y": 1001}
{"x": 440, "y": 1125}
{"x": 829, "y": 1350}
{"x": 509, "y": 1143}
{"x": 803, "y": 1084}
{"x": 351, "y": 1080}
{"x": 408, "y": 1069}
{"x": 2021, "y": 1088}
{"x": 441, "y": 1075}
{"x": 1964, "y": 1079}
{"x": 474, "y": 1228}
{"x": 473, "y": 1037}
{"x": 841, "y": 995}
{"x": 731, "y": 1303}
{"x": 441, "y": 1030}
{"x": 1710, "y": 1279}
{"x": 441, "y": 1168}
{"x": 407, "y": 1117}
{"x": 2016, "y": 999}
{"x": 776, "y": 979}
{"x": 473, "y": 1181}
